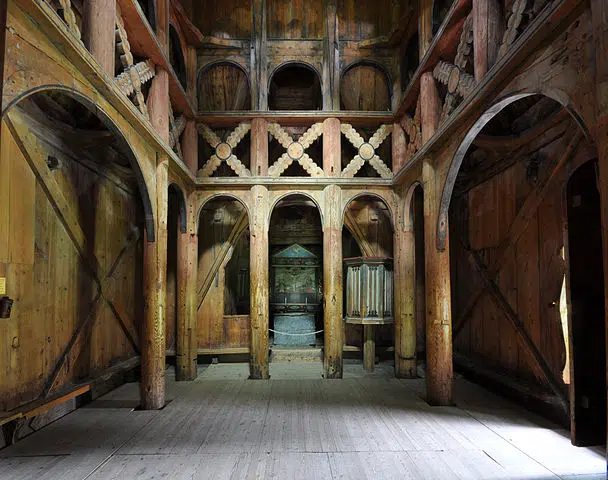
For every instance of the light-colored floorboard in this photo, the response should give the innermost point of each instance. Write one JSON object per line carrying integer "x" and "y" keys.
{"x": 299, "y": 426}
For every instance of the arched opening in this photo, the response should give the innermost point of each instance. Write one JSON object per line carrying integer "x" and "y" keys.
{"x": 367, "y": 251}
{"x": 414, "y": 226}
{"x": 176, "y": 56}
{"x": 223, "y": 323}
{"x": 365, "y": 87}
{"x": 72, "y": 244}
{"x": 223, "y": 87}
{"x": 148, "y": 7}
{"x": 176, "y": 226}
{"x": 507, "y": 250}
{"x": 440, "y": 11}
{"x": 410, "y": 61}
{"x": 295, "y": 86}
{"x": 585, "y": 293}
{"x": 296, "y": 283}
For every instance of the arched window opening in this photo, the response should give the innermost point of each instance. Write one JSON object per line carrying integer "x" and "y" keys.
{"x": 295, "y": 87}
{"x": 176, "y": 56}
{"x": 365, "y": 87}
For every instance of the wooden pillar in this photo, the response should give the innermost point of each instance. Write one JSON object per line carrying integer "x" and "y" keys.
{"x": 487, "y": 35}
{"x": 158, "y": 103}
{"x": 259, "y": 147}
{"x": 425, "y": 26}
{"x": 98, "y": 32}
{"x": 331, "y": 57}
{"x": 155, "y": 290}
{"x": 190, "y": 146}
{"x": 439, "y": 368}
{"x": 404, "y": 278}
{"x": 599, "y": 15}
{"x": 399, "y": 147}
{"x": 187, "y": 266}
{"x": 369, "y": 347}
{"x": 259, "y": 283}
{"x": 332, "y": 147}
{"x": 192, "y": 69}
{"x": 332, "y": 283}
{"x": 430, "y": 106}
{"x": 259, "y": 59}
{"x": 162, "y": 24}
{"x": 3, "y": 73}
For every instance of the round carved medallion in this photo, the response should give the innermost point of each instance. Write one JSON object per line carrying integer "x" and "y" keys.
{"x": 223, "y": 151}
{"x": 366, "y": 151}
{"x": 453, "y": 80}
{"x": 295, "y": 150}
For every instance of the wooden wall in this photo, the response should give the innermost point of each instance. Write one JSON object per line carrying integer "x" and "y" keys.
{"x": 225, "y": 19}
{"x": 365, "y": 88}
{"x": 51, "y": 283}
{"x": 531, "y": 277}
{"x": 295, "y": 19}
{"x": 364, "y": 20}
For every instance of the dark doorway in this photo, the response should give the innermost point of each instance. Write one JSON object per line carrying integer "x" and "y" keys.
{"x": 587, "y": 324}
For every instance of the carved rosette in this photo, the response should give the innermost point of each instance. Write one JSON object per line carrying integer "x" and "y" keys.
{"x": 295, "y": 150}
{"x": 366, "y": 151}
{"x": 224, "y": 150}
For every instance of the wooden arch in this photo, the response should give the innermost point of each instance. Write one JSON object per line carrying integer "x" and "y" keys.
{"x": 225, "y": 196}
{"x": 205, "y": 70}
{"x": 407, "y": 220}
{"x": 379, "y": 69}
{"x": 283, "y": 196}
{"x": 484, "y": 119}
{"x": 134, "y": 163}
{"x": 377, "y": 196}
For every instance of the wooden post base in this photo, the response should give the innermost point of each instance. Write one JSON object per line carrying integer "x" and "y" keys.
{"x": 369, "y": 347}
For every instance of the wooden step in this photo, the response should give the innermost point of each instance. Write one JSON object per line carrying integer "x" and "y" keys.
{"x": 296, "y": 354}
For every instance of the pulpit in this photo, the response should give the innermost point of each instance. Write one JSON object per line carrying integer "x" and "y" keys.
{"x": 295, "y": 297}
{"x": 369, "y": 298}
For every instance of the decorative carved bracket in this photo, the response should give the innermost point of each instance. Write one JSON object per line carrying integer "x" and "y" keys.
{"x": 413, "y": 129}
{"x": 64, "y": 10}
{"x": 133, "y": 77}
{"x": 176, "y": 128}
{"x": 296, "y": 150}
{"x": 366, "y": 151}
{"x": 223, "y": 150}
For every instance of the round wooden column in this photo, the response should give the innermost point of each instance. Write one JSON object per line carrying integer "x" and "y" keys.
{"x": 187, "y": 265}
{"x": 404, "y": 275}
{"x": 98, "y": 32}
{"x": 259, "y": 284}
{"x": 153, "y": 346}
{"x": 332, "y": 284}
{"x": 439, "y": 367}
{"x": 487, "y": 35}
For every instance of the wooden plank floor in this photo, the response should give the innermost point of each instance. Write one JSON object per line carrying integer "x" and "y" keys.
{"x": 299, "y": 426}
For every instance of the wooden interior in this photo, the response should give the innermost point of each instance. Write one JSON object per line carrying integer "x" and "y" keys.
{"x": 156, "y": 156}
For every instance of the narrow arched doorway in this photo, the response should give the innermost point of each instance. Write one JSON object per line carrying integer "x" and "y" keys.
{"x": 296, "y": 283}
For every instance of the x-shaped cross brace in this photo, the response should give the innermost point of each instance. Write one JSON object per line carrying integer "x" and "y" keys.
{"x": 224, "y": 150}
{"x": 366, "y": 151}
{"x": 296, "y": 150}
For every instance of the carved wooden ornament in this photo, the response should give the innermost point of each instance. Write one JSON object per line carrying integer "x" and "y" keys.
{"x": 224, "y": 150}
{"x": 366, "y": 151}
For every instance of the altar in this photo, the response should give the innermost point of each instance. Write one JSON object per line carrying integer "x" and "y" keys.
{"x": 295, "y": 297}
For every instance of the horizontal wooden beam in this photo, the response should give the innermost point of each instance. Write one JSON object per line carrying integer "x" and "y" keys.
{"x": 295, "y": 118}
{"x": 244, "y": 183}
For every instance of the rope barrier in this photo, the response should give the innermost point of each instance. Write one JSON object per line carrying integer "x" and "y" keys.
{"x": 295, "y": 334}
